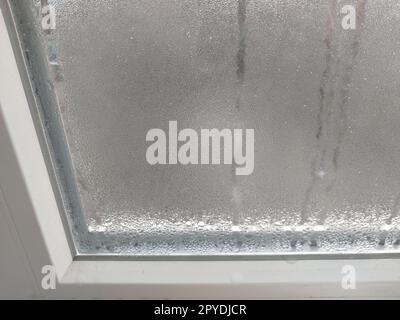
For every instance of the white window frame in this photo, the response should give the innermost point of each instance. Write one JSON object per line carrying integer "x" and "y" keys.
{"x": 31, "y": 206}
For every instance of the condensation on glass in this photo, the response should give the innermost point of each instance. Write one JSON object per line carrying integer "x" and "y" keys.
{"x": 323, "y": 101}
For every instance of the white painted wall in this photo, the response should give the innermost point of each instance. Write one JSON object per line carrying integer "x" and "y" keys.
{"x": 16, "y": 281}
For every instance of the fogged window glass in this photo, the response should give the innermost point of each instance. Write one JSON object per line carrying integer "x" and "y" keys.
{"x": 201, "y": 127}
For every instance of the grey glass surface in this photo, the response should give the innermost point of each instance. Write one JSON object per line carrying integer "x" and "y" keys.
{"x": 323, "y": 101}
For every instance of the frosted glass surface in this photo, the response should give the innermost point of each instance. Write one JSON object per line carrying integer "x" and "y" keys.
{"x": 323, "y": 101}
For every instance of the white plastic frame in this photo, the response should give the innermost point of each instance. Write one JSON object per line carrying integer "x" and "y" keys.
{"x": 31, "y": 208}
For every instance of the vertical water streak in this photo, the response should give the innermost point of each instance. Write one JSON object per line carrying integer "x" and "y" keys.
{"x": 240, "y": 78}
{"x": 241, "y": 53}
{"x": 345, "y": 82}
{"x": 334, "y": 97}
{"x": 325, "y": 98}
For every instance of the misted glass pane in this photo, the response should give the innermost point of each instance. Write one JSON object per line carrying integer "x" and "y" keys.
{"x": 205, "y": 127}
